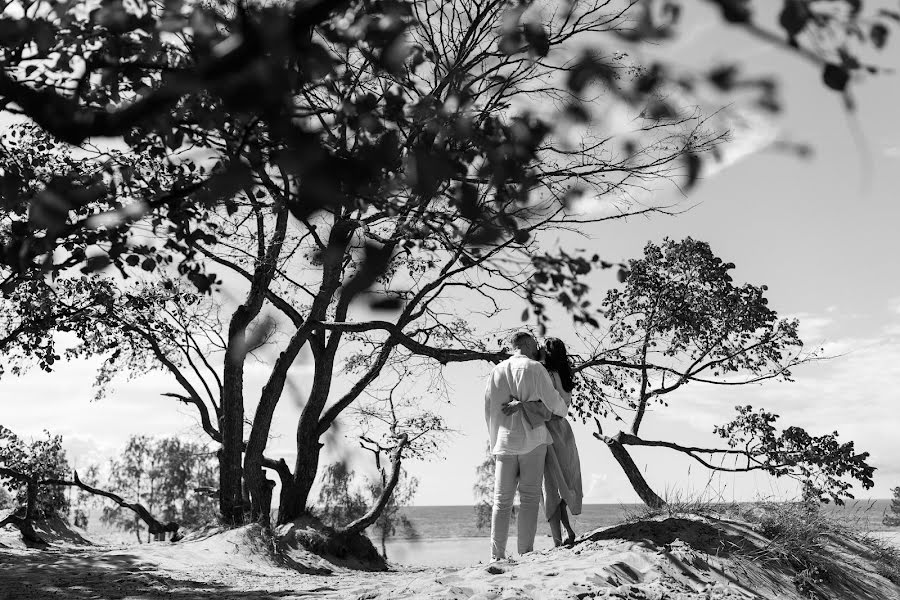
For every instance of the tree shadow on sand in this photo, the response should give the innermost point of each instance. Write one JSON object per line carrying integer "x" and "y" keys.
{"x": 79, "y": 574}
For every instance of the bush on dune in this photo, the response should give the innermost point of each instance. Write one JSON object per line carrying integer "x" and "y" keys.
{"x": 824, "y": 555}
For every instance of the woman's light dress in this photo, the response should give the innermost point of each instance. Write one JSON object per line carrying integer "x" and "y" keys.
{"x": 562, "y": 468}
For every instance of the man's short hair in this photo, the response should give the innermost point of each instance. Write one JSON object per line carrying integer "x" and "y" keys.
{"x": 517, "y": 339}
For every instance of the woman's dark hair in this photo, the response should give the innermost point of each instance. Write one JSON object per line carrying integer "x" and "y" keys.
{"x": 558, "y": 360}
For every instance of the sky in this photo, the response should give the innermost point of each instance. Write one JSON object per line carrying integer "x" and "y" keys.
{"x": 820, "y": 232}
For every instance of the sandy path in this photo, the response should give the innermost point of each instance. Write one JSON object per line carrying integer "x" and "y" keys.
{"x": 608, "y": 570}
{"x": 100, "y": 572}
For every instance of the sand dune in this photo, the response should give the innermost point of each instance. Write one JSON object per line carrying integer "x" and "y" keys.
{"x": 674, "y": 558}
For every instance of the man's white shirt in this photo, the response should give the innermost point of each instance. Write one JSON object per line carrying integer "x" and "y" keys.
{"x": 528, "y": 381}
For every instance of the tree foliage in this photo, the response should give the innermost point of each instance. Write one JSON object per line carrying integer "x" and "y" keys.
{"x": 39, "y": 459}
{"x": 163, "y": 474}
{"x": 165, "y": 77}
{"x": 681, "y": 319}
{"x": 39, "y": 471}
{"x": 892, "y": 519}
{"x": 483, "y": 489}
{"x": 345, "y": 497}
{"x": 84, "y": 501}
{"x": 6, "y": 499}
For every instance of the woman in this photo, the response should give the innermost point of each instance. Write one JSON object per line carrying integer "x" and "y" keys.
{"x": 562, "y": 468}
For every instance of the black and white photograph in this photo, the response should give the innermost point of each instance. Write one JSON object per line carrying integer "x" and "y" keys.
{"x": 450, "y": 299}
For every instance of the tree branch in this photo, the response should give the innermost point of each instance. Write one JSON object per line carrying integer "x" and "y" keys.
{"x": 370, "y": 517}
{"x": 154, "y": 526}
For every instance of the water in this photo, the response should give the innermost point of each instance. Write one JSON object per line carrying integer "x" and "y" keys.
{"x": 447, "y": 535}
{"x": 437, "y": 522}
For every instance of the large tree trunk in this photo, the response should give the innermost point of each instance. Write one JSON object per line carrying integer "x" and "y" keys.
{"x": 230, "y": 468}
{"x": 324, "y": 357}
{"x": 258, "y": 488}
{"x": 646, "y": 494}
{"x": 231, "y": 480}
{"x": 231, "y": 497}
{"x": 305, "y": 470}
{"x": 25, "y": 527}
{"x": 24, "y": 523}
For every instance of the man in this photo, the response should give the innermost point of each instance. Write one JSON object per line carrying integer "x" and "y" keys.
{"x": 520, "y": 448}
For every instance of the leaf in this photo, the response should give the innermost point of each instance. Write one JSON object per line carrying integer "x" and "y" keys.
{"x": 836, "y": 77}
{"x": 723, "y": 77}
{"x": 510, "y": 42}
{"x": 375, "y": 262}
{"x": 694, "y": 167}
{"x": 536, "y": 37}
{"x": 13, "y": 31}
{"x": 794, "y": 17}
{"x": 588, "y": 68}
{"x": 879, "y": 35}
{"x": 735, "y": 11}
{"x": 96, "y": 263}
{"x": 386, "y": 303}
{"x": 576, "y": 112}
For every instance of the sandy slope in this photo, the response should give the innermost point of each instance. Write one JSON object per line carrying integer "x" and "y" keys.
{"x": 674, "y": 558}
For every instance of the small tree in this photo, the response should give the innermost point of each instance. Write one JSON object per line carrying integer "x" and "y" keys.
{"x": 392, "y": 516}
{"x": 133, "y": 474}
{"x": 39, "y": 470}
{"x": 344, "y": 499}
{"x": 393, "y": 424}
{"x": 340, "y": 499}
{"x": 6, "y": 499}
{"x": 84, "y": 501}
{"x": 892, "y": 519}
{"x": 164, "y": 474}
{"x": 484, "y": 490}
{"x": 184, "y": 468}
{"x": 680, "y": 319}
{"x": 37, "y": 461}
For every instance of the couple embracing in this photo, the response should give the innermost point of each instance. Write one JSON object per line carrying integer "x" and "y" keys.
{"x": 525, "y": 406}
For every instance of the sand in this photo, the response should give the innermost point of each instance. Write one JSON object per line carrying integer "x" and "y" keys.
{"x": 675, "y": 558}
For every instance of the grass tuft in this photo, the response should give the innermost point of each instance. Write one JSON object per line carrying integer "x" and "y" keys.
{"x": 802, "y": 538}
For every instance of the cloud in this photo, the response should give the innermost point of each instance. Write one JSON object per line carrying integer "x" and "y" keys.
{"x": 595, "y": 486}
{"x": 894, "y": 305}
{"x": 813, "y": 328}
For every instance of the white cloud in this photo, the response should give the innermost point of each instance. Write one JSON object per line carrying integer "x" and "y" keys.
{"x": 894, "y": 305}
{"x": 595, "y": 487}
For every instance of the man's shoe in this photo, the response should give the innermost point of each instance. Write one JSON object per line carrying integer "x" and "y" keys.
{"x": 499, "y": 565}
